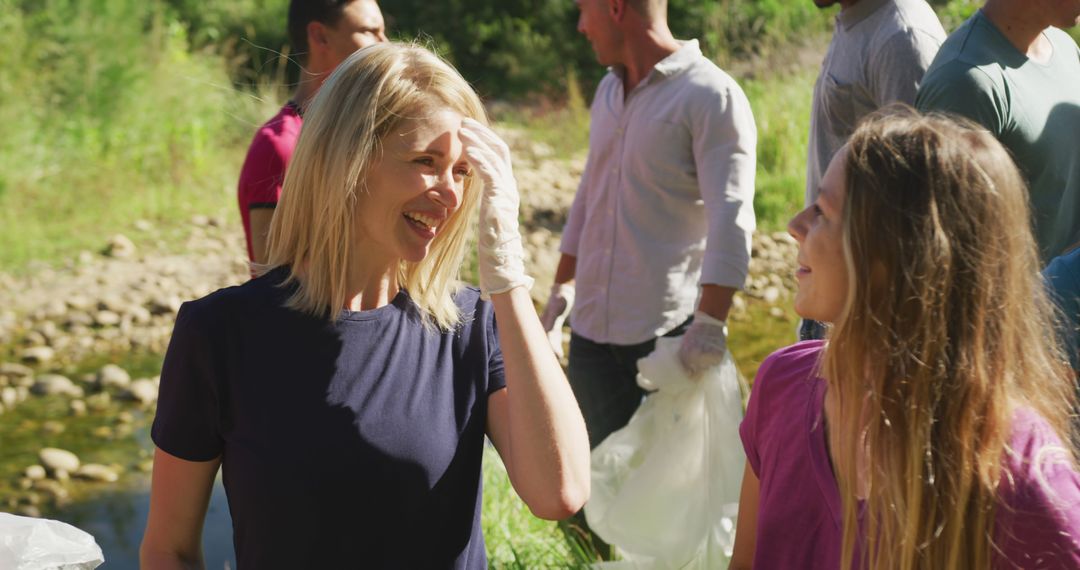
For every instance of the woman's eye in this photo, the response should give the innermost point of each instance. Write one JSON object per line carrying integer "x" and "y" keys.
{"x": 817, "y": 210}
{"x": 462, "y": 172}
{"x": 425, "y": 160}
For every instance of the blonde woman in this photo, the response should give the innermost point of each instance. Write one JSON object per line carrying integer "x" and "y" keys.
{"x": 931, "y": 429}
{"x": 347, "y": 391}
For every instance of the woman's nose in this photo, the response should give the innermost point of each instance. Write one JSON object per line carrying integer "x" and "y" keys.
{"x": 797, "y": 226}
{"x": 446, "y": 191}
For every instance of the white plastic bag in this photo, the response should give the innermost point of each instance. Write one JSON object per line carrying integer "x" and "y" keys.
{"x": 665, "y": 488}
{"x": 41, "y": 544}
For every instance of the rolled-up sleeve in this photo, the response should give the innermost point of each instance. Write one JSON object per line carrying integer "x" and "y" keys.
{"x": 725, "y": 146}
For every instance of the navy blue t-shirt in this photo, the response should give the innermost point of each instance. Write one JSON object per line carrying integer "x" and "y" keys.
{"x": 348, "y": 444}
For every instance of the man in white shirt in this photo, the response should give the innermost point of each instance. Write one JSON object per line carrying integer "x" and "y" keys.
{"x": 665, "y": 205}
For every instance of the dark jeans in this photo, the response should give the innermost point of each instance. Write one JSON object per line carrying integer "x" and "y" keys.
{"x": 604, "y": 380}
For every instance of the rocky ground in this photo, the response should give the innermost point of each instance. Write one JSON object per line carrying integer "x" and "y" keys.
{"x": 124, "y": 298}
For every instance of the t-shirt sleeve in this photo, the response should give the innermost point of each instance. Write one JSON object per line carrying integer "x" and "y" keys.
{"x": 496, "y": 370}
{"x": 187, "y": 424}
{"x": 899, "y": 66}
{"x": 748, "y": 429}
{"x": 263, "y": 173}
{"x": 1038, "y": 523}
{"x": 961, "y": 89}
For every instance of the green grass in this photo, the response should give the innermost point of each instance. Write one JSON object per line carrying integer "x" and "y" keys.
{"x": 110, "y": 118}
{"x": 516, "y": 539}
{"x": 781, "y": 106}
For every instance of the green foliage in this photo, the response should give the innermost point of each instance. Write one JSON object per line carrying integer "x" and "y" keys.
{"x": 781, "y": 106}
{"x": 109, "y": 117}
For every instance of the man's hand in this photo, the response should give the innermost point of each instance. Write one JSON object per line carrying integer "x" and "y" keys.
{"x": 558, "y": 307}
{"x": 703, "y": 345}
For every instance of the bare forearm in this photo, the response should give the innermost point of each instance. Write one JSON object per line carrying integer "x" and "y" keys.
{"x": 716, "y": 301}
{"x": 548, "y": 455}
{"x": 566, "y": 269}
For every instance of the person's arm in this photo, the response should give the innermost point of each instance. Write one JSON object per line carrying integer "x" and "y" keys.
{"x": 535, "y": 423}
{"x": 742, "y": 558}
{"x": 179, "y": 497}
{"x": 724, "y": 144}
{"x": 260, "y": 228}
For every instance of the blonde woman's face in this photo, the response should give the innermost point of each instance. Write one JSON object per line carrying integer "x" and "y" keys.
{"x": 414, "y": 187}
{"x": 822, "y": 273}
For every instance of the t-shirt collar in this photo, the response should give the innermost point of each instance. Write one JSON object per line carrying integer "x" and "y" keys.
{"x": 861, "y": 10}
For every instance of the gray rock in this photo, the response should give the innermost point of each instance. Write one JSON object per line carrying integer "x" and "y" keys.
{"x": 112, "y": 376}
{"x": 9, "y": 396}
{"x": 771, "y": 294}
{"x": 120, "y": 247}
{"x": 143, "y": 391}
{"x": 55, "y": 459}
{"x": 106, "y": 319}
{"x": 37, "y": 354}
{"x": 97, "y": 472}
{"x": 55, "y": 384}
{"x": 13, "y": 370}
{"x": 77, "y": 408}
{"x": 34, "y": 472}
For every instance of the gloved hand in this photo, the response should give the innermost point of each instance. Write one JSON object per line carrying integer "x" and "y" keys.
{"x": 704, "y": 344}
{"x": 558, "y": 307}
{"x": 501, "y": 257}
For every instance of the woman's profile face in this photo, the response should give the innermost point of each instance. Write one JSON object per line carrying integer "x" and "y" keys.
{"x": 413, "y": 187}
{"x": 822, "y": 273}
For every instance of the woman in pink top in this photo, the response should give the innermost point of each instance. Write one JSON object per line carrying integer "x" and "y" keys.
{"x": 931, "y": 429}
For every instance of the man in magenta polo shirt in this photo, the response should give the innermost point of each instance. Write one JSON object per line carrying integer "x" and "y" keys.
{"x": 322, "y": 34}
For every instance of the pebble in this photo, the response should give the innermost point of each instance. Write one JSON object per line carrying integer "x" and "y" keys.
{"x": 143, "y": 391}
{"x": 37, "y": 354}
{"x": 55, "y": 459}
{"x": 113, "y": 376}
{"x": 77, "y": 408}
{"x": 34, "y": 472}
{"x": 55, "y": 384}
{"x": 120, "y": 246}
{"x": 96, "y": 472}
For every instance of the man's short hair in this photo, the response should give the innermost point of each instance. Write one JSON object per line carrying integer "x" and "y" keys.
{"x": 303, "y": 12}
{"x": 650, "y": 9}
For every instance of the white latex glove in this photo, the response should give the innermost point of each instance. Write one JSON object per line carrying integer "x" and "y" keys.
{"x": 704, "y": 344}
{"x": 501, "y": 257}
{"x": 558, "y": 307}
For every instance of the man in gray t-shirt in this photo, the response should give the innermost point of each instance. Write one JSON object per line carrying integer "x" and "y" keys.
{"x": 1010, "y": 69}
{"x": 879, "y": 52}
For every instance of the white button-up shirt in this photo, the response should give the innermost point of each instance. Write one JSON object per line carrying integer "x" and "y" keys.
{"x": 666, "y": 200}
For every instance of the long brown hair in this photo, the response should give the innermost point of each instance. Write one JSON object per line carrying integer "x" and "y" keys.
{"x": 945, "y": 332}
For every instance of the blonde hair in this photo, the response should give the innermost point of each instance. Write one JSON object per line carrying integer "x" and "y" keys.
{"x": 945, "y": 332}
{"x": 368, "y": 96}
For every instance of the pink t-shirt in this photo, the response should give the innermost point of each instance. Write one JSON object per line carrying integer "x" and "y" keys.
{"x": 264, "y": 168}
{"x": 799, "y": 524}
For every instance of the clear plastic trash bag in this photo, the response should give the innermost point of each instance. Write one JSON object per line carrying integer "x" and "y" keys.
{"x": 665, "y": 488}
{"x": 41, "y": 544}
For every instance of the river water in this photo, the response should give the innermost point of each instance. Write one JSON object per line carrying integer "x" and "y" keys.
{"x": 117, "y": 519}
